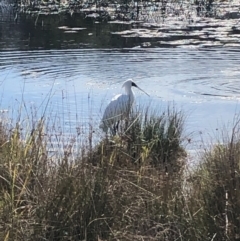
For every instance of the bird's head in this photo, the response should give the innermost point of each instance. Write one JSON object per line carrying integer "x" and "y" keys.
{"x": 129, "y": 84}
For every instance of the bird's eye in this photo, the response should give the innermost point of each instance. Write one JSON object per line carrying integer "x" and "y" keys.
{"x": 133, "y": 84}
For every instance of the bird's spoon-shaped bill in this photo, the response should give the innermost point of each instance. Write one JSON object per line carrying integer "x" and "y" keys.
{"x": 142, "y": 90}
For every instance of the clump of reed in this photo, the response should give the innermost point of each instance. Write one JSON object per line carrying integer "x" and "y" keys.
{"x": 215, "y": 189}
{"x": 133, "y": 186}
{"x": 117, "y": 190}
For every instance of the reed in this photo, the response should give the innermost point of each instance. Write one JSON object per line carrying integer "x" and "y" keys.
{"x": 215, "y": 189}
{"x": 132, "y": 186}
{"x": 118, "y": 189}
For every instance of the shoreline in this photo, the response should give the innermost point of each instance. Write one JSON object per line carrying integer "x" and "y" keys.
{"x": 153, "y": 28}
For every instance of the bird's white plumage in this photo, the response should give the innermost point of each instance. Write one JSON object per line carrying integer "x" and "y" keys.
{"x": 119, "y": 107}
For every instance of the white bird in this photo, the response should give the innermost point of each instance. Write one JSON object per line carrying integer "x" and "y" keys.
{"x": 119, "y": 107}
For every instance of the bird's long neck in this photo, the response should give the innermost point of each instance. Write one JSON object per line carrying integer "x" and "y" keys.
{"x": 129, "y": 92}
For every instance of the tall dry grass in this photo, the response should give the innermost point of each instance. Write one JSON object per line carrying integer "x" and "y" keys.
{"x": 119, "y": 189}
{"x": 215, "y": 189}
{"x": 133, "y": 186}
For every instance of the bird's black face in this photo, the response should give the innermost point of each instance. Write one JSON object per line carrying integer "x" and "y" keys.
{"x": 133, "y": 84}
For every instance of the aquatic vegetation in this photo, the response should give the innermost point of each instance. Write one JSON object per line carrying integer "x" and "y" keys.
{"x": 121, "y": 10}
{"x": 112, "y": 190}
{"x": 215, "y": 189}
{"x": 145, "y": 24}
{"x": 132, "y": 186}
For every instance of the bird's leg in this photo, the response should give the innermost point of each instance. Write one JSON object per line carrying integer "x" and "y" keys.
{"x": 113, "y": 130}
{"x": 117, "y": 125}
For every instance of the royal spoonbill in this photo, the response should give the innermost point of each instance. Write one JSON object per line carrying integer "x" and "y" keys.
{"x": 119, "y": 107}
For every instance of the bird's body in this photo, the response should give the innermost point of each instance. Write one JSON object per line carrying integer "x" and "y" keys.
{"x": 119, "y": 107}
{"x": 117, "y": 110}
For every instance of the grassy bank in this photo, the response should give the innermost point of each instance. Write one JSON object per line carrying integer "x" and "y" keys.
{"x": 133, "y": 186}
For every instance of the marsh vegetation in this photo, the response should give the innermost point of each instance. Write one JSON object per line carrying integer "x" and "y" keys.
{"x": 136, "y": 185}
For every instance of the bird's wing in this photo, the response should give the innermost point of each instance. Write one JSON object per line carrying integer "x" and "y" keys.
{"x": 117, "y": 107}
{"x": 117, "y": 97}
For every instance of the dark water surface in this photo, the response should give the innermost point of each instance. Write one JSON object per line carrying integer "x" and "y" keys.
{"x": 77, "y": 73}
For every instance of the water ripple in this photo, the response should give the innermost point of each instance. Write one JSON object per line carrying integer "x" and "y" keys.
{"x": 212, "y": 72}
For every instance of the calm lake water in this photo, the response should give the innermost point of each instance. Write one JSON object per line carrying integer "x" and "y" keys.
{"x": 76, "y": 74}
